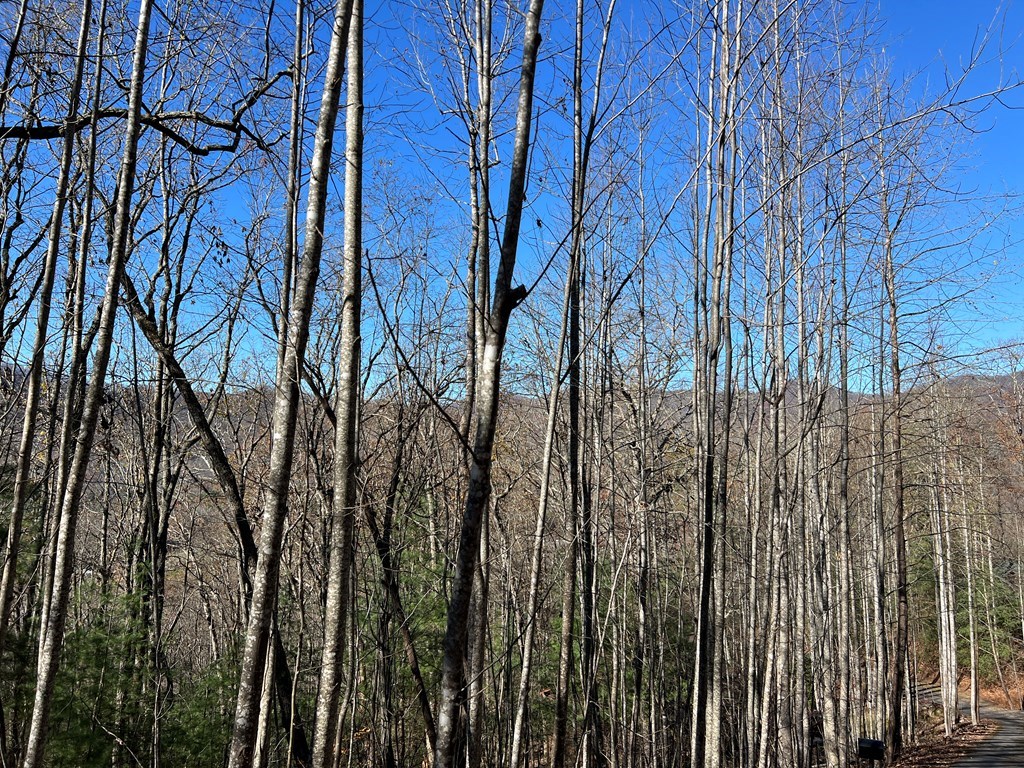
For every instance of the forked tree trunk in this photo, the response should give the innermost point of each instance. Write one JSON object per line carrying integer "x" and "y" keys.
{"x": 505, "y": 299}
{"x": 713, "y": 368}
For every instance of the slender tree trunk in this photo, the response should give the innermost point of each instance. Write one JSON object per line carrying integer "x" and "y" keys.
{"x": 945, "y": 597}
{"x": 990, "y": 602}
{"x": 713, "y": 371}
{"x": 346, "y": 459}
{"x": 972, "y": 620}
{"x": 489, "y": 386}
{"x": 13, "y": 50}
{"x": 296, "y": 133}
{"x": 560, "y": 736}
{"x": 382, "y": 542}
{"x": 286, "y": 404}
{"x": 52, "y": 634}
{"x": 22, "y": 484}
{"x": 895, "y": 728}
{"x": 537, "y": 554}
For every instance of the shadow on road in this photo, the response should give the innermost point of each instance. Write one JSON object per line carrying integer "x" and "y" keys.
{"x": 1005, "y": 748}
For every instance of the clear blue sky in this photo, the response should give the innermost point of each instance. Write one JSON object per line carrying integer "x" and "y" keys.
{"x": 930, "y": 36}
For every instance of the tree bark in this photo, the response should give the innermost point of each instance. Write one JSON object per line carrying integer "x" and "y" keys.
{"x": 51, "y": 638}
{"x": 22, "y": 484}
{"x": 346, "y": 457}
{"x": 286, "y": 405}
{"x": 505, "y": 299}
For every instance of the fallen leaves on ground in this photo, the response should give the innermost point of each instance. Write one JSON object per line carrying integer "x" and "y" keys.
{"x": 934, "y": 750}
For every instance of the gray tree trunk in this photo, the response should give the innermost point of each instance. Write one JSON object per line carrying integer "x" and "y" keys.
{"x": 22, "y": 484}
{"x": 346, "y": 459}
{"x": 52, "y": 632}
{"x": 488, "y": 388}
{"x": 286, "y": 404}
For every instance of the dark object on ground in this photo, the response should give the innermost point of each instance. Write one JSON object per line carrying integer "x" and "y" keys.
{"x": 870, "y": 749}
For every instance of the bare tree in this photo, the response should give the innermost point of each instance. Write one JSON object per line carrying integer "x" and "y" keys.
{"x": 35, "y": 374}
{"x": 52, "y": 634}
{"x": 505, "y": 299}
{"x": 346, "y": 458}
{"x": 286, "y": 402}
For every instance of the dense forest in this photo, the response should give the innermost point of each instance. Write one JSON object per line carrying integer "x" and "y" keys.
{"x": 482, "y": 383}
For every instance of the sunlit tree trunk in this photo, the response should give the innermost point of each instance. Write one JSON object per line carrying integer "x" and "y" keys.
{"x": 713, "y": 369}
{"x": 505, "y": 299}
{"x": 328, "y": 716}
{"x": 285, "y": 409}
{"x": 52, "y": 633}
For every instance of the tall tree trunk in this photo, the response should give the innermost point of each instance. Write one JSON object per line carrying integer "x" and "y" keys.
{"x": 506, "y": 298}
{"x": 346, "y": 458}
{"x": 296, "y": 134}
{"x": 52, "y": 633}
{"x": 560, "y": 737}
{"x": 967, "y": 530}
{"x": 713, "y": 366}
{"x": 22, "y": 484}
{"x": 286, "y": 405}
{"x": 537, "y": 554}
{"x": 895, "y": 727}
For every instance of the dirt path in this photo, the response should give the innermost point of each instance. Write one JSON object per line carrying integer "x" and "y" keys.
{"x": 1004, "y": 748}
